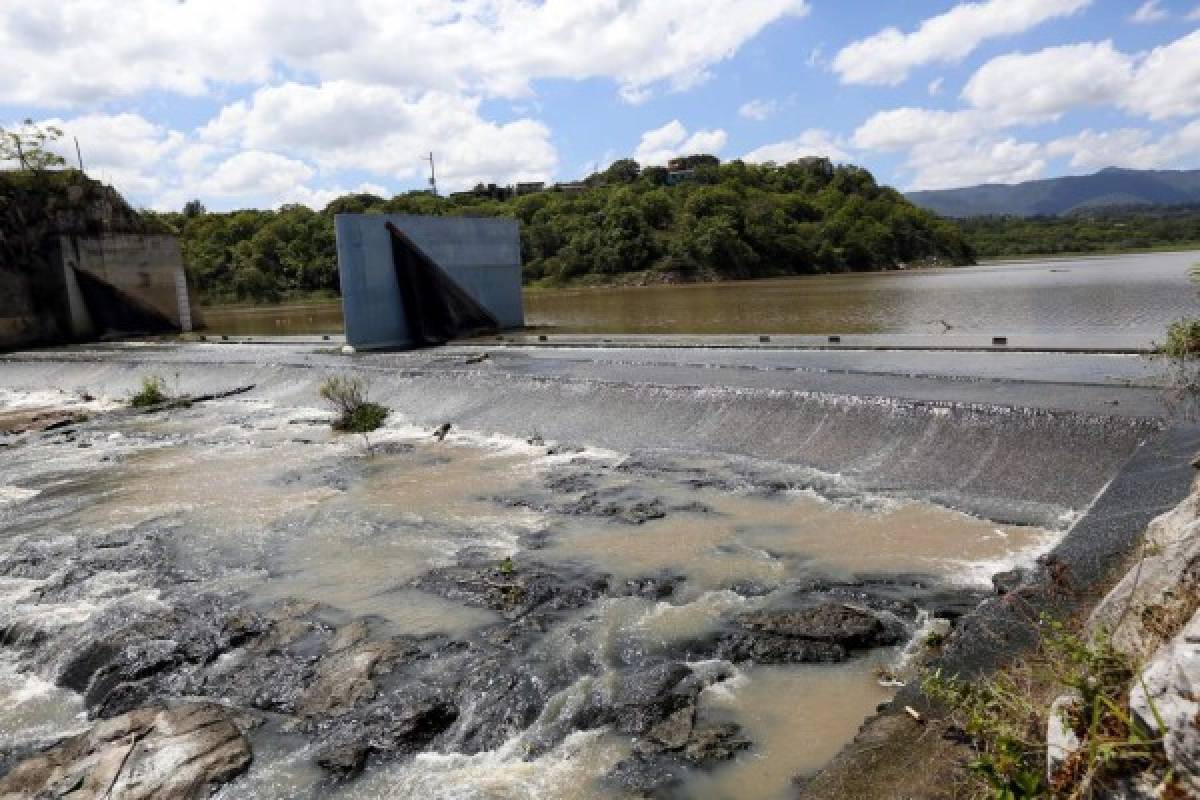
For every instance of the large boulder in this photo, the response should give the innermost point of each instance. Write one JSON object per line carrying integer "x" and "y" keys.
{"x": 148, "y": 754}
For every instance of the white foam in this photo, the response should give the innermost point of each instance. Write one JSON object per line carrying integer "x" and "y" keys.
{"x": 566, "y": 772}
{"x": 12, "y": 495}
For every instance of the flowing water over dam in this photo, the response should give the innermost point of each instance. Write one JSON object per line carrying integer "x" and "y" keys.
{"x": 606, "y": 581}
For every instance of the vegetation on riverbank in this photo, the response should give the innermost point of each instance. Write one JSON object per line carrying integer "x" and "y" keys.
{"x": 734, "y": 220}
{"x": 1111, "y": 231}
{"x": 1007, "y": 716}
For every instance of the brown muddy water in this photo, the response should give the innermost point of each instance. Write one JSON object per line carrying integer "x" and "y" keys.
{"x": 266, "y": 501}
{"x": 1132, "y": 297}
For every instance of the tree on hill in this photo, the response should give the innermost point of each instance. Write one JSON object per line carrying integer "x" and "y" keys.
{"x": 28, "y": 145}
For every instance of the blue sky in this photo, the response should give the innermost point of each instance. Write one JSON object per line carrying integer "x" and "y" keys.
{"x": 301, "y": 100}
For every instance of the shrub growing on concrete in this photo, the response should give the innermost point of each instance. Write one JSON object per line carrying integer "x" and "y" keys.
{"x": 1183, "y": 339}
{"x": 152, "y": 393}
{"x": 347, "y": 394}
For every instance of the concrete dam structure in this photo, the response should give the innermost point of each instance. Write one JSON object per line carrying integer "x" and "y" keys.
{"x": 76, "y": 264}
{"x": 412, "y": 281}
{"x": 584, "y": 586}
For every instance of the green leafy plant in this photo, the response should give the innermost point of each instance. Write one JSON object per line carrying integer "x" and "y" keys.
{"x": 347, "y": 394}
{"x": 152, "y": 393}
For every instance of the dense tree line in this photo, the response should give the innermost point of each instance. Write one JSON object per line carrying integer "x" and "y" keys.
{"x": 1111, "y": 230}
{"x": 732, "y": 220}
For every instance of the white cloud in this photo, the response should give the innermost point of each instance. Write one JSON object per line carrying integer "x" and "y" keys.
{"x": 944, "y": 148}
{"x": 902, "y": 128}
{"x": 1167, "y": 81}
{"x": 1149, "y": 11}
{"x": 347, "y": 126}
{"x": 79, "y": 52}
{"x": 812, "y": 142}
{"x": 935, "y": 86}
{"x": 758, "y": 110}
{"x": 1042, "y": 85}
{"x": 255, "y": 173}
{"x": 887, "y": 57}
{"x": 942, "y": 165}
{"x": 1135, "y": 148}
{"x": 660, "y": 145}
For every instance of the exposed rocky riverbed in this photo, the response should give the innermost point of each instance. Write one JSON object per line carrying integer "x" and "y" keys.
{"x": 230, "y": 597}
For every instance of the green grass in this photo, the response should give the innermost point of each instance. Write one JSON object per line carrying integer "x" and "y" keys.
{"x": 152, "y": 393}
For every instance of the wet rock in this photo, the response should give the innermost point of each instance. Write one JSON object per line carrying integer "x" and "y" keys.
{"x": 825, "y": 633}
{"x": 717, "y": 742}
{"x": 653, "y": 587}
{"x": 620, "y": 504}
{"x": 901, "y": 595}
{"x": 1009, "y": 580}
{"x": 516, "y": 592}
{"x": 766, "y": 649}
{"x": 401, "y": 723}
{"x": 830, "y": 622}
{"x": 344, "y": 761}
{"x": 344, "y": 675}
{"x": 570, "y": 483}
{"x": 672, "y": 733}
{"x": 148, "y": 754}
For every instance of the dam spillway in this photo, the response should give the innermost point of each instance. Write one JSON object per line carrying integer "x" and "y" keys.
{"x": 658, "y": 505}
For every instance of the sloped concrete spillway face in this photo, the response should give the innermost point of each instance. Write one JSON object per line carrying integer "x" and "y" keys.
{"x": 414, "y": 281}
{"x": 488, "y": 616}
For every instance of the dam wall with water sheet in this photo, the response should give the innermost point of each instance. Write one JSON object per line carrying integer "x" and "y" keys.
{"x": 1032, "y": 465}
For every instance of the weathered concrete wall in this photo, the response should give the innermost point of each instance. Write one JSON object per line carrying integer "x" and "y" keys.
{"x": 145, "y": 266}
{"x": 44, "y": 303}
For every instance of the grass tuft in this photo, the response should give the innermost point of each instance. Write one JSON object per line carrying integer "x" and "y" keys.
{"x": 152, "y": 393}
{"x": 347, "y": 394}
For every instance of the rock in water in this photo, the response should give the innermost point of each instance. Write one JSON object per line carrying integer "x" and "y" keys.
{"x": 148, "y": 754}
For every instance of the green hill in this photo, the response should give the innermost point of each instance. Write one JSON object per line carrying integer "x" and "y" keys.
{"x": 625, "y": 224}
{"x": 1112, "y": 187}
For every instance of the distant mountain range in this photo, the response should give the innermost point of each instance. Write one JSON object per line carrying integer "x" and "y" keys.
{"x": 1055, "y": 196}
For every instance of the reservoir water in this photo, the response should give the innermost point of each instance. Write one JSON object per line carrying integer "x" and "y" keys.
{"x": 1127, "y": 300}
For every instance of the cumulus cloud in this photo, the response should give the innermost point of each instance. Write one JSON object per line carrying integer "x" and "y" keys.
{"x": 343, "y": 125}
{"x": 942, "y": 165}
{"x": 79, "y": 52}
{"x": 254, "y": 173}
{"x": 1135, "y": 148}
{"x": 902, "y": 128}
{"x": 660, "y": 145}
{"x": 758, "y": 110}
{"x": 887, "y": 57}
{"x": 1042, "y": 85}
{"x": 1027, "y": 89}
{"x": 812, "y": 142}
{"x": 1167, "y": 81}
{"x": 1149, "y": 11}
